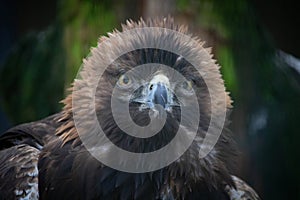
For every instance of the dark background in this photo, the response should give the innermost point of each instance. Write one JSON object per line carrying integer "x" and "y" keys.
{"x": 256, "y": 42}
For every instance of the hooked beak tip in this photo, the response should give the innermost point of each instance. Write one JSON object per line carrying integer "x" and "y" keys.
{"x": 159, "y": 94}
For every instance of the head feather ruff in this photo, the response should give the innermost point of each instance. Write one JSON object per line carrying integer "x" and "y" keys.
{"x": 213, "y": 168}
{"x": 106, "y": 49}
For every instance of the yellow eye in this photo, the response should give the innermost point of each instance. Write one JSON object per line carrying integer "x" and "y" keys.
{"x": 187, "y": 85}
{"x": 124, "y": 81}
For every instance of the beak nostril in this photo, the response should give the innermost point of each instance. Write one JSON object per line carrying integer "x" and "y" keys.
{"x": 151, "y": 87}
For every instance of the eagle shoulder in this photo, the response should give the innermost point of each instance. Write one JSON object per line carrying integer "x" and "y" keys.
{"x": 19, "y": 172}
{"x": 20, "y": 148}
{"x": 242, "y": 191}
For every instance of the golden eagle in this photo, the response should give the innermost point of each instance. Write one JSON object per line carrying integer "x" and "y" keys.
{"x": 48, "y": 159}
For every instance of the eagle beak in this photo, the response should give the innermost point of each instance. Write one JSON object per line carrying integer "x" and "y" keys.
{"x": 158, "y": 94}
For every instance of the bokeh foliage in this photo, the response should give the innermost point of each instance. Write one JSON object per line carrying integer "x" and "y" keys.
{"x": 265, "y": 91}
{"x": 32, "y": 78}
{"x": 42, "y": 65}
{"x": 83, "y": 23}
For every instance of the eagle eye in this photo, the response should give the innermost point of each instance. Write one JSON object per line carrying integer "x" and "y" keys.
{"x": 124, "y": 81}
{"x": 187, "y": 85}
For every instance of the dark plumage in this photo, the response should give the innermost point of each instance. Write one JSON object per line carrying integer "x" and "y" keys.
{"x": 48, "y": 155}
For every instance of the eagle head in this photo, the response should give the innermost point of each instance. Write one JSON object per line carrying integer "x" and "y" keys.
{"x": 145, "y": 86}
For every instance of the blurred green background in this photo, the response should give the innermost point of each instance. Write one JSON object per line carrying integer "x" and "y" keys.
{"x": 256, "y": 43}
